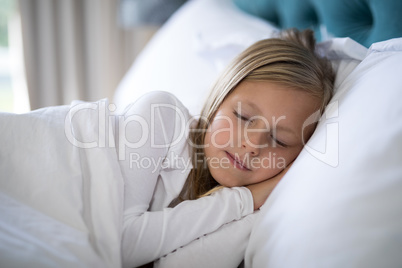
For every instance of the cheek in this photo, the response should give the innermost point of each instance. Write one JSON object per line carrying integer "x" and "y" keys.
{"x": 266, "y": 173}
{"x": 220, "y": 133}
{"x": 283, "y": 159}
{"x": 274, "y": 161}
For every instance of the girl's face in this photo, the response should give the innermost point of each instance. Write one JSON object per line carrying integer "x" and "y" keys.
{"x": 257, "y": 131}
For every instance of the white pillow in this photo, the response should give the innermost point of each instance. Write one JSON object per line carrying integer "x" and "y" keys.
{"x": 344, "y": 53}
{"x": 340, "y": 205}
{"x": 186, "y": 54}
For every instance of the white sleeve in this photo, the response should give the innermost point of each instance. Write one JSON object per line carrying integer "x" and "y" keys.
{"x": 223, "y": 248}
{"x": 149, "y": 235}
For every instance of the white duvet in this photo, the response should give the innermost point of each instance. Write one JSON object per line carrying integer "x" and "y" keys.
{"x": 61, "y": 188}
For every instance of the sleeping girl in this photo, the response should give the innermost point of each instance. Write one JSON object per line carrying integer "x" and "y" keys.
{"x": 191, "y": 178}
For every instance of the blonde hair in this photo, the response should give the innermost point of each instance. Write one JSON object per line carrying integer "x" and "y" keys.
{"x": 288, "y": 60}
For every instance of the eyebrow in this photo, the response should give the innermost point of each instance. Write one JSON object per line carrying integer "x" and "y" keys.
{"x": 251, "y": 104}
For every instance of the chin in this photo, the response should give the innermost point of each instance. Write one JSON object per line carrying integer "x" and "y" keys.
{"x": 226, "y": 179}
{"x": 228, "y": 183}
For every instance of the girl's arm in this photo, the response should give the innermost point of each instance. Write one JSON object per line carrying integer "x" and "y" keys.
{"x": 226, "y": 246}
{"x": 150, "y": 235}
{"x": 223, "y": 248}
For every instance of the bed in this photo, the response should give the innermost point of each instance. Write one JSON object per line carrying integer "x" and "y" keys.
{"x": 340, "y": 205}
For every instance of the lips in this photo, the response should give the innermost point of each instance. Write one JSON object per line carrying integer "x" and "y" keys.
{"x": 236, "y": 162}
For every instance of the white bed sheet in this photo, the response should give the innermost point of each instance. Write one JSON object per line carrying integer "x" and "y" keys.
{"x": 61, "y": 204}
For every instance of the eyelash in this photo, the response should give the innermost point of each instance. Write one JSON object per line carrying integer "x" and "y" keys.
{"x": 284, "y": 145}
{"x": 240, "y": 116}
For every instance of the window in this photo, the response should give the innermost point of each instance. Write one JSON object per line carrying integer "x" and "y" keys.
{"x": 13, "y": 91}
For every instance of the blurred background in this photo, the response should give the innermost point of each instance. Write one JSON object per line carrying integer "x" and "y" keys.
{"x": 53, "y": 52}
{"x": 8, "y": 62}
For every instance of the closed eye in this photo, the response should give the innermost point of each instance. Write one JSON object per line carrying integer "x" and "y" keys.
{"x": 240, "y": 116}
{"x": 280, "y": 143}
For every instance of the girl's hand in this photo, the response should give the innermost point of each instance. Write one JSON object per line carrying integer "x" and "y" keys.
{"x": 262, "y": 190}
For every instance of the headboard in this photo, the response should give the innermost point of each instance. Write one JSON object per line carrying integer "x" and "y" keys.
{"x": 365, "y": 21}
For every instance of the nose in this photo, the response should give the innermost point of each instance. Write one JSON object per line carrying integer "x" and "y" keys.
{"x": 253, "y": 141}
